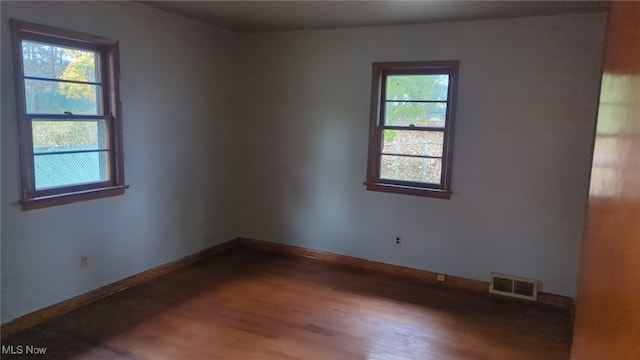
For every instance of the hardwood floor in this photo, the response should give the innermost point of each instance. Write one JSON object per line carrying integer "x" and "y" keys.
{"x": 248, "y": 304}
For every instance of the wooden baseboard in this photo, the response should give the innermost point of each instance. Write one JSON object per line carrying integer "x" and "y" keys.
{"x": 79, "y": 301}
{"x": 424, "y": 275}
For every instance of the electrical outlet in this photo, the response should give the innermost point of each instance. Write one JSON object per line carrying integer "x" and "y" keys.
{"x": 398, "y": 241}
{"x": 441, "y": 277}
{"x": 84, "y": 262}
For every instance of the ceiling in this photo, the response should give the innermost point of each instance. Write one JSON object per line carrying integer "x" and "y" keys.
{"x": 258, "y": 16}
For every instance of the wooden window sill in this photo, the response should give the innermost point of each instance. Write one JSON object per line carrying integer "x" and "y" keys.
{"x": 67, "y": 198}
{"x": 408, "y": 190}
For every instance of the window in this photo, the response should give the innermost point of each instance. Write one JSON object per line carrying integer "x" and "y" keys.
{"x": 411, "y": 129}
{"x": 69, "y": 117}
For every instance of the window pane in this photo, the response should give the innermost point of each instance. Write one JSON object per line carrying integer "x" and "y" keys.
{"x": 52, "y": 97}
{"x": 402, "y": 168}
{"x": 56, "y": 136}
{"x": 57, "y": 62}
{"x": 56, "y": 170}
{"x": 408, "y": 142}
{"x": 417, "y": 87}
{"x": 417, "y": 114}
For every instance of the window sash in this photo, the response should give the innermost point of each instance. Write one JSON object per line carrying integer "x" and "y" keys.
{"x": 382, "y": 119}
{"x": 406, "y": 182}
{"x": 101, "y": 62}
{"x": 111, "y": 168}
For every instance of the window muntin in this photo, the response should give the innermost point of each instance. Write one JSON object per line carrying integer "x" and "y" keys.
{"x": 411, "y": 128}
{"x": 68, "y": 114}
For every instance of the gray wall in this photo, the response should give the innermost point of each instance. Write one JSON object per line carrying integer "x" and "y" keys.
{"x": 265, "y": 136}
{"x": 527, "y": 101}
{"x": 175, "y": 76}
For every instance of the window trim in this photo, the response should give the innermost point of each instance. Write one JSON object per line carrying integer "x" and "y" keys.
{"x": 111, "y": 112}
{"x": 378, "y": 79}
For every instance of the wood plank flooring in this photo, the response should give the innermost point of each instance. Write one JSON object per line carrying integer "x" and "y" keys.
{"x": 248, "y": 304}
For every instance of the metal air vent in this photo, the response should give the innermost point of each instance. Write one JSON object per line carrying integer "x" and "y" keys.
{"x": 513, "y": 286}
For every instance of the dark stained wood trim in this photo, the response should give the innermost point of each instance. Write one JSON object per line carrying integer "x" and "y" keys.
{"x": 251, "y": 304}
{"x": 427, "y": 276}
{"x": 68, "y": 198}
{"x": 36, "y": 317}
{"x": 373, "y": 157}
{"x": 418, "y": 67}
{"x": 115, "y": 107}
{"x": 452, "y": 97}
{"x": 38, "y": 29}
{"x": 24, "y": 126}
{"x": 409, "y": 190}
